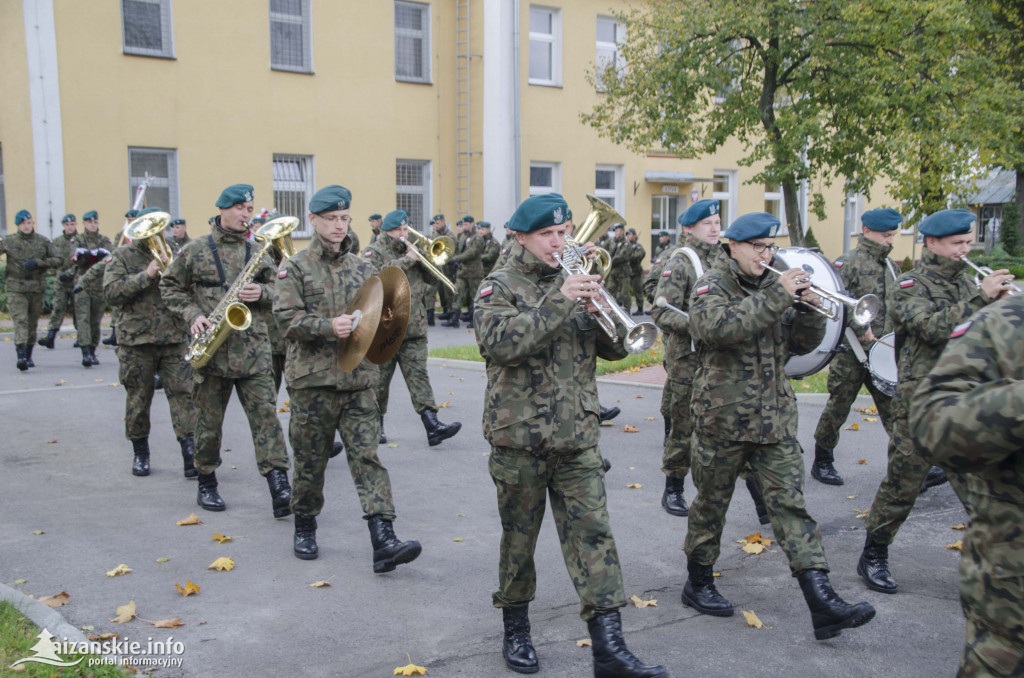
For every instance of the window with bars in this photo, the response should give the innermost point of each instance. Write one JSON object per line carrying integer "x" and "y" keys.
{"x": 161, "y": 166}
{"x": 412, "y": 41}
{"x": 294, "y": 184}
{"x": 545, "y": 46}
{"x": 608, "y": 186}
{"x": 291, "y": 36}
{"x": 146, "y": 28}
{"x": 412, "y": 191}
{"x": 609, "y": 34}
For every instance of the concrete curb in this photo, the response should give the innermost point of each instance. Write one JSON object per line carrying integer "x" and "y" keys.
{"x": 42, "y": 615}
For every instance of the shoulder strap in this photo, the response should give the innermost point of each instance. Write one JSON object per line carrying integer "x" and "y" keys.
{"x": 216, "y": 258}
{"x": 698, "y": 267}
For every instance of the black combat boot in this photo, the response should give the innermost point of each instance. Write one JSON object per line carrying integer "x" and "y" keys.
{"x": 92, "y": 356}
{"x": 158, "y": 383}
{"x": 112, "y": 339}
{"x": 606, "y": 464}
{"x": 337, "y": 449}
{"x": 453, "y": 320}
{"x": 140, "y": 465}
{"x": 86, "y": 360}
{"x": 467, "y": 316}
{"x": 28, "y": 354}
{"x": 76, "y": 344}
{"x": 445, "y": 314}
{"x": 873, "y": 567}
{"x": 607, "y": 413}
{"x": 430, "y": 318}
{"x": 280, "y": 492}
{"x": 437, "y": 431}
{"x": 208, "y": 497}
{"x": 305, "y": 537}
{"x": 388, "y": 552}
{"x": 759, "y": 506}
{"x": 188, "y": 455}
{"x": 612, "y": 659}
{"x": 383, "y": 438}
{"x": 700, "y": 593}
{"x": 822, "y": 469}
{"x": 639, "y": 309}
{"x": 516, "y": 645}
{"x": 22, "y": 357}
{"x": 672, "y": 498}
{"x": 47, "y": 341}
{"x": 830, "y": 614}
{"x": 936, "y": 476}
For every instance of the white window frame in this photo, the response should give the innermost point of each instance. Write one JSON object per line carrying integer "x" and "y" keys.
{"x": 166, "y": 31}
{"x": 3, "y": 198}
{"x": 603, "y": 48}
{"x": 776, "y": 197}
{"x": 295, "y": 174}
{"x": 555, "y": 40}
{"x": 423, "y": 191}
{"x": 305, "y": 20}
{"x": 616, "y": 193}
{"x": 170, "y": 182}
{"x": 423, "y": 33}
{"x": 556, "y": 178}
{"x": 728, "y": 196}
{"x": 852, "y": 212}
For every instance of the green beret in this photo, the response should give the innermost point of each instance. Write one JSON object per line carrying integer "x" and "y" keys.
{"x": 616, "y": 227}
{"x": 374, "y": 216}
{"x": 437, "y": 217}
{"x": 483, "y": 224}
{"x": 130, "y": 214}
{"x": 177, "y": 222}
{"x": 630, "y": 230}
{"x": 884, "y": 219}
{"x": 258, "y": 221}
{"x": 471, "y": 219}
{"x": 947, "y": 222}
{"x": 21, "y": 216}
{"x": 568, "y": 215}
{"x": 698, "y": 211}
{"x": 149, "y": 210}
{"x": 67, "y": 217}
{"x": 539, "y": 211}
{"x": 394, "y": 219}
{"x": 330, "y": 198}
{"x": 663, "y": 234}
{"x": 91, "y": 215}
{"x": 753, "y": 225}
{"x": 233, "y": 195}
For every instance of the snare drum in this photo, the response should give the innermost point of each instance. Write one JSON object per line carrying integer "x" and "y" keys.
{"x": 882, "y": 364}
{"x": 822, "y": 274}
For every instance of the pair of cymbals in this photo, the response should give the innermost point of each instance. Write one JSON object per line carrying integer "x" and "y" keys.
{"x": 382, "y": 307}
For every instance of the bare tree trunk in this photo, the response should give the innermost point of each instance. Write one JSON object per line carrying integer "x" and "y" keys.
{"x": 793, "y": 216}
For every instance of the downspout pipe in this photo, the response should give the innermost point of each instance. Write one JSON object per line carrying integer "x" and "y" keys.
{"x": 517, "y": 132}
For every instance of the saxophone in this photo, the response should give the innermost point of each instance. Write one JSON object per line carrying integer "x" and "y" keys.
{"x": 229, "y": 314}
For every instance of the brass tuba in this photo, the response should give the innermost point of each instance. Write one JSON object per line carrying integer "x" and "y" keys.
{"x": 150, "y": 229}
{"x": 438, "y": 251}
{"x": 601, "y": 217}
{"x": 279, "y": 231}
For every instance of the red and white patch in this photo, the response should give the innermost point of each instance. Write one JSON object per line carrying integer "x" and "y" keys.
{"x": 906, "y": 283}
{"x": 960, "y": 329}
{"x": 666, "y": 274}
{"x": 108, "y": 260}
{"x": 486, "y": 291}
{"x": 702, "y": 289}
{"x": 282, "y": 274}
{"x": 367, "y": 253}
{"x": 838, "y": 264}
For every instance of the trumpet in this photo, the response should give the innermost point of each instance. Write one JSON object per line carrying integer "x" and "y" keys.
{"x": 639, "y": 336}
{"x": 150, "y": 228}
{"x": 864, "y": 309}
{"x": 985, "y": 271}
{"x": 426, "y": 261}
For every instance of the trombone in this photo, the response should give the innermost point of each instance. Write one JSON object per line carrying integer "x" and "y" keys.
{"x": 150, "y": 228}
{"x": 985, "y": 271}
{"x": 440, "y": 250}
{"x": 864, "y": 309}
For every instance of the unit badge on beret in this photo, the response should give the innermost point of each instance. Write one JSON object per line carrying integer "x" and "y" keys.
{"x": 712, "y": 209}
{"x": 248, "y": 195}
{"x": 773, "y": 230}
{"x": 557, "y": 215}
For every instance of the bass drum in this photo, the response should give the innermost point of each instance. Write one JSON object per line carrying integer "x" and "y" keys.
{"x": 882, "y": 364}
{"x": 823, "y": 274}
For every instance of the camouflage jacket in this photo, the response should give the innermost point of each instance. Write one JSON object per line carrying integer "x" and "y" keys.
{"x": 676, "y": 282}
{"x": 967, "y": 417}
{"x": 314, "y": 287}
{"x": 746, "y": 330}
{"x": 390, "y": 251}
{"x": 506, "y": 247}
{"x": 658, "y": 262}
{"x": 491, "y": 251}
{"x": 636, "y": 263}
{"x": 621, "y": 252}
{"x": 662, "y": 251}
{"x": 64, "y": 244}
{"x": 541, "y": 352}
{"x": 193, "y": 285}
{"x": 88, "y": 250}
{"x": 468, "y": 255}
{"x": 867, "y": 269}
{"x": 143, "y": 317}
{"x": 19, "y": 248}
{"x": 926, "y": 304}
{"x": 178, "y": 243}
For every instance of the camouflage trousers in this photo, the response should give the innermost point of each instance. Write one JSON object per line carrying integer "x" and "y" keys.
{"x": 779, "y": 471}
{"x": 63, "y": 301}
{"x": 443, "y": 293}
{"x": 465, "y": 292}
{"x": 25, "y": 309}
{"x": 618, "y": 287}
{"x": 994, "y": 607}
{"x": 138, "y": 364}
{"x": 316, "y": 413}
{"x": 210, "y": 395}
{"x": 89, "y": 311}
{"x": 575, "y": 484}
{"x": 412, "y": 358}
{"x": 277, "y": 367}
{"x": 675, "y": 407}
{"x": 636, "y": 284}
{"x": 845, "y": 376}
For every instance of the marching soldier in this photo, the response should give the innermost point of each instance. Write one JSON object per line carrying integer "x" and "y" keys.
{"x": 151, "y": 341}
{"x": 966, "y": 417}
{"x": 926, "y": 305}
{"x": 491, "y": 247}
{"x": 314, "y": 288}
{"x": 636, "y": 272}
{"x": 390, "y": 250}
{"x": 375, "y": 221}
{"x": 192, "y": 286}
{"x": 278, "y": 349}
{"x": 63, "y": 299}
{"x": 664, "y": 247}
{"x": 621, "y": 252}
{"x": 544, "y": 435}
{"x": 90, "y": 248}
{"x": 440, "y": 228}
{"x": 658, "y": 260}
{"x": 468, "y": 253}
{"x": 747, "y": 326}
{"x": 29, "y": 254}
{"x": 179, "y": 235}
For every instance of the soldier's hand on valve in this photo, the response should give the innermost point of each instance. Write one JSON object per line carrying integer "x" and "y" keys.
{"x": 250, "y": 292}
{"x": 153, "y": 270}
{"x": 994, "y": 284}
{"x": 581, "y": 286}
{"x": 808, "y": 297}
{"x": 794, "y": 280}
{"x": 342, "y": 326}
{"x": 200, "y": 324}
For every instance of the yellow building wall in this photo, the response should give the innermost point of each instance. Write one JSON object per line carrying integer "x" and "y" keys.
{"x": 15, "y": 116}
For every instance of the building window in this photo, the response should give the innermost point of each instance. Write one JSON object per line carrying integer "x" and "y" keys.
{"x": 851, "y": 214}
{"x": 3, "y": 201}
{"x": 146, "y": 27}
{"x": 291, "y": 47}
{"x": 545, "y": 46}
{"x": 293, "y": 187}
{"x": 724, "y": 191}
{"x": 412, "y": 41}
{"x": 609, "y": 34}
{"x": 545, "y": 177}
{"x": 160, "y": 165}
{"x": 608, "y": 186}
{"x": 988, "y": 224}
{"x": 412, "y": 191}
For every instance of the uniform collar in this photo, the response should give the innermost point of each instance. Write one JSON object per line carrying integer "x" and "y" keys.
{"x": 944, "y": 266}
{"x": 222, "y": 234}
{"x": 322, "y": 250}
{"x": 394, "y": 245}
{"x": 876, "y": 249}
{"x": 26, "y": 236}
{"x": 525, "y": 261}
{"x": 704, "y": 249}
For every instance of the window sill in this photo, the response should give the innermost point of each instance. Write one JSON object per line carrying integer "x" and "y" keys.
{"x": 165, "y": 57}
{"x": 298, "y": 71}
{"x": 543, "y": 83}
{"x": 413, "y": 81}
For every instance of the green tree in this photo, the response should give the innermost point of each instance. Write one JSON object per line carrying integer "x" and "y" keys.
{"x": 1009, "y": 229}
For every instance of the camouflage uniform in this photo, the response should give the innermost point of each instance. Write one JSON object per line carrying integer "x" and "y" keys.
{"x": 541, "y": 419}
{"x": 27, "y": 287}
{"x": 192, "y": 286}
{"x": 491, "y": 251}
{"x": 865, "y": 270}
{"x": 88, "y": 250}
{"x": 63, "y": 300}
{"x": 617, "y": 284}
{"x": 412, "y": 355}
{"x": 449, "y": 270}
{"x": 278, "y": 347}
{"x": 151, "y": 340}
{"x": 314, "y": 287}
{"x": 636, "y": 275}
{"x": 926, "y": 304}
{"x": 468, "y": 253}
{"x": 745, "y": 410}
{"x": 178, "y": 243}
{"x": 506, "y": 247}
{"x": 967, "y": 418}
{"x": 659, "y": 259}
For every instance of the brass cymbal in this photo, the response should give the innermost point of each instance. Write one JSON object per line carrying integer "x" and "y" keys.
{"x": 367, "y": 305}
{"x": 394, "y": 316}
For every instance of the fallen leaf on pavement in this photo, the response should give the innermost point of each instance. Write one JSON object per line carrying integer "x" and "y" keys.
{"x": 222, "y": 564}
{"x": 192, "y": 519}
{"x": 752, "y": 619}
{"x": 125, "y": 613}
{"x": 166, "y": 623}
{"x": 38, "y": 532}
{"x": 629, "y": 429}
{"x": 650, "y": 418}
{"x": 104, "y": 636}
{"x": 162, "y": 560}
{"x": 639, "y": 397}
{"x": 457, "y": 539}
{"x": 88, "y": 628}
{"x": 851, "y": 427}
{"x": 444, "y": 404}
{"x": 189, "y": 589}
{"x": 862, "y": 514}
{"x": 584, "y": 642}
{"x": 320, "y": 584}
{"x": 392, "y": 445}
{"x": 643, "y": 603}
{"x": 119, "y": 570}
{"x": 958, "y": 545}
{"x": 217, "y": 536}
{"x": 871, "y": 419}
{"x": 634, "y": 486}
{"x": 867, "y": 410}
{"x": 756, "y": 538}
{"x": 410, "y": 669}
{"x": 862, "y": 462}
{"x": 752, "y": 549}
{"x": 51, "y": 442}
{"x": 56, "y": 600}
{"x": 852, "y": 496}
{"x": 607, "y": 423}
{"x": 20, "y": 581}
{"x": 960, "y": 527}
